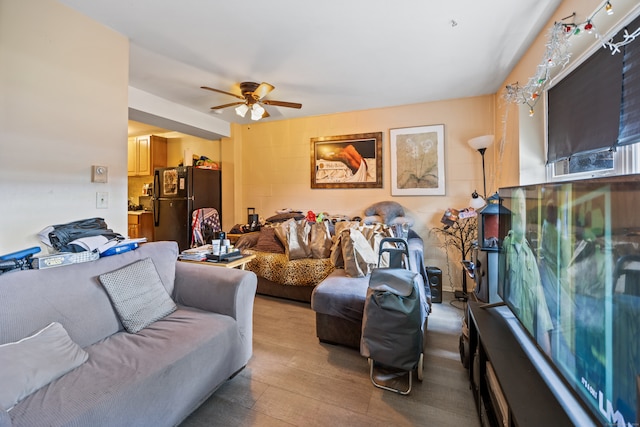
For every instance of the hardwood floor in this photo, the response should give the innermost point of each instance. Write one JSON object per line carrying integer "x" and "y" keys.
{"x": 294, "y": 380}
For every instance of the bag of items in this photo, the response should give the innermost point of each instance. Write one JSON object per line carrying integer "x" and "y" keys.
{"x": 68, "y": 237}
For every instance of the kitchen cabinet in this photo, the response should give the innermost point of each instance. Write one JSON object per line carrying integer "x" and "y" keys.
{"x": 140, "y": 224}
{"x": 145, "y": 153}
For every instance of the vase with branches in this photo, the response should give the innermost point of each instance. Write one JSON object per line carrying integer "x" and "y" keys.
{"x": 460, "y": 234}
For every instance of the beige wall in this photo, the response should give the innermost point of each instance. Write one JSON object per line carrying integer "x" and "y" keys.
{"x": 276, "y": 164}
{"x": 178, "y": 143}
{"x": 63, "y": 108}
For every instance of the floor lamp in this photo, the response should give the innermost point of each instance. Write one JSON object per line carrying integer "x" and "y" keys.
{"x": 480, "y": 143}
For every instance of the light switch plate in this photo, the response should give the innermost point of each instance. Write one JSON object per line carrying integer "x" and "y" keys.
{"x": 99, "y": 173}
{"x": 102, "y": 200}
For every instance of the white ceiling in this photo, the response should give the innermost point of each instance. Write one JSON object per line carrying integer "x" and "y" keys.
{"x": 331, "y": 55}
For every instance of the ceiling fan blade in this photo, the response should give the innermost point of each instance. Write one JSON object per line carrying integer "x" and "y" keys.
{"x": 265, "y": 114}
{"x": 221, "y": 91}
{"x": 281, "y": 103}
{"x": 263, "y": 89}
{"x": 218, "y": 107}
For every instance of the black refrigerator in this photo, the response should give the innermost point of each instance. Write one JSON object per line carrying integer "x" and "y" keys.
{"x": 177, "y": 192}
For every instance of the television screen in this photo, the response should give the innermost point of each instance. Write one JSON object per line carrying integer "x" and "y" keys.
{"x": 569, "y": 269}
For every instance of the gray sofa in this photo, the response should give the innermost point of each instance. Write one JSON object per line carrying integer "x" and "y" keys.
{"x": 155, "y": 377}
{"x": 339, "y": 300}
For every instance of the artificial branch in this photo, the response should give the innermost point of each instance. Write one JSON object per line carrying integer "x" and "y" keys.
{"x": 460, "y": 235}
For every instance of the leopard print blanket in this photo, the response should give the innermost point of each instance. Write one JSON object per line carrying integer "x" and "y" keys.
{"x": 279, "y": 269}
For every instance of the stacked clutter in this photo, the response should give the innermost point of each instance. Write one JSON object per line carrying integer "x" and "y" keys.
{"x": 81, "y": 241}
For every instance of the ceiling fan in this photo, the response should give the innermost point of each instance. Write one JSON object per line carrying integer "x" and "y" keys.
{"x": 252, "y": 97}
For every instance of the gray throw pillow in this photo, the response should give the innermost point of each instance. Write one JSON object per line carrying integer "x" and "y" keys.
{"x": 33, "y": 362}
{"x": 138, "y": 295}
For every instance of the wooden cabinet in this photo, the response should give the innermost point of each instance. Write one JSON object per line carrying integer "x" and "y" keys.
{"x": 145, "y": 153}
{"x": 140, "y": 225}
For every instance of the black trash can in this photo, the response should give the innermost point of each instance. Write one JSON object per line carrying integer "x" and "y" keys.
{"x": 435, "y": 282}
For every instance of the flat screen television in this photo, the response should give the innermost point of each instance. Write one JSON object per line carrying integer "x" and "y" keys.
{"x": 569, "y": 270}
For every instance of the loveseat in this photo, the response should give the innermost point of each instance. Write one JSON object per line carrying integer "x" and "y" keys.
{"x": 293, "y": 255}
{"x": 154, "y": 377}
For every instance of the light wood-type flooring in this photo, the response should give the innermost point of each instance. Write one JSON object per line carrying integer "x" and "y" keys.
{"x": 294, "y": 380}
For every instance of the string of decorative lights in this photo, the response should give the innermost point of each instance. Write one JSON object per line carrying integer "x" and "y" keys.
{"x": 557, "y": 54}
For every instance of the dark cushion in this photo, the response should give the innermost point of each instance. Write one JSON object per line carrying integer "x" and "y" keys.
{"x": 285, "y": 216}
{"x": 268, "y": 242}
{"x": 247, "y": 241}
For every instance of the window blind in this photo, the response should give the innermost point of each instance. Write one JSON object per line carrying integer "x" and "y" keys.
{"x": 630, "y": 110}
{"x": 584, "y": 108}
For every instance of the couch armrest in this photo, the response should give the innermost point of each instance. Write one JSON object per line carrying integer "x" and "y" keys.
{"x": 5, "y": 419}
{"x": 216, "y": 289}
{"x": 220, "y": 290}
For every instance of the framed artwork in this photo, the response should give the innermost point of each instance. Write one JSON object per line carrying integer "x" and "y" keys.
{"x": 417, "y": 161}
{"x": 347, "y": 161}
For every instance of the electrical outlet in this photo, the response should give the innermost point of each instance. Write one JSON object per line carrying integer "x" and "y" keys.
{"x": 102, "y": 200}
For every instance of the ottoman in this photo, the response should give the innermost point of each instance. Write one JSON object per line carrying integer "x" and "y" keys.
{"x": 339, "y": 303}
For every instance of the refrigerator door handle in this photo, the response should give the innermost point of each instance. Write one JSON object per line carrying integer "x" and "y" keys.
{"x": 156, "y": 212}
{"x": 156, "y": 201}
{"x": 156, "y": 184}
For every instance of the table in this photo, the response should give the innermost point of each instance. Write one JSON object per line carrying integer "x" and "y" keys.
{"x": 238, "y": 262}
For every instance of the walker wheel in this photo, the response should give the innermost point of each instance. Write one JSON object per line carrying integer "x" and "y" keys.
{"x": 420, "y": 366}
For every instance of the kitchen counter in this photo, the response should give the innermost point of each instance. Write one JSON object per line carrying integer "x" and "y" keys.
{"x": 140, "y": 224}
{"x": 138, "y": 212}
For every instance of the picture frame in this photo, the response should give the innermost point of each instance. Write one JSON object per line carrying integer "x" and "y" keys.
{"x": 347, "y": 161}
{"x": 417, "y": 161}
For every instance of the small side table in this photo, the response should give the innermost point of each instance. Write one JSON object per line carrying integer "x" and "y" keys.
{"x": 236, "y": 263}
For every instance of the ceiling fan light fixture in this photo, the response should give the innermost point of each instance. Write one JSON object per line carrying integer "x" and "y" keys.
{"x": 257, "y": 112}
{"x": 241, "y": 110}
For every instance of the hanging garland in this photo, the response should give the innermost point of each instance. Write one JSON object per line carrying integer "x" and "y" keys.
{"x": 557, "y": 54}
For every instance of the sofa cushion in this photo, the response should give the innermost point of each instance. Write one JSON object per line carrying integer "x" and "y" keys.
{"x": 341, "y": 296}
{"x": 138, "y": 295}
{"x": 153, "y": 378}
{"x": 35, "y": 361}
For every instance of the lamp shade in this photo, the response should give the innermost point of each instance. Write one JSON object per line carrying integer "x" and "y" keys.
{"x": 476, "y": 202}
{"x": 242, "y": 109}
{"x": 481, "y": 142}
{"x": 257, "y": 112}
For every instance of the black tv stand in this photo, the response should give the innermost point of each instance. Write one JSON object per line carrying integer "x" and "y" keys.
{"x": 493, "y": 304}
{"x": 460, "y": 295}
{"x": 506, "y": 385}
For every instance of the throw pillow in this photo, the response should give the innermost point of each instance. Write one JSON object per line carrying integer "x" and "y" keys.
{"x": 268, "y": 242}
{"x": 387, "y": 210}
{"x": 33, "y": 362}
{"x": 247, "y": 241}
{"x": 138, "y": 295}
{"x": 285, "y": 216}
